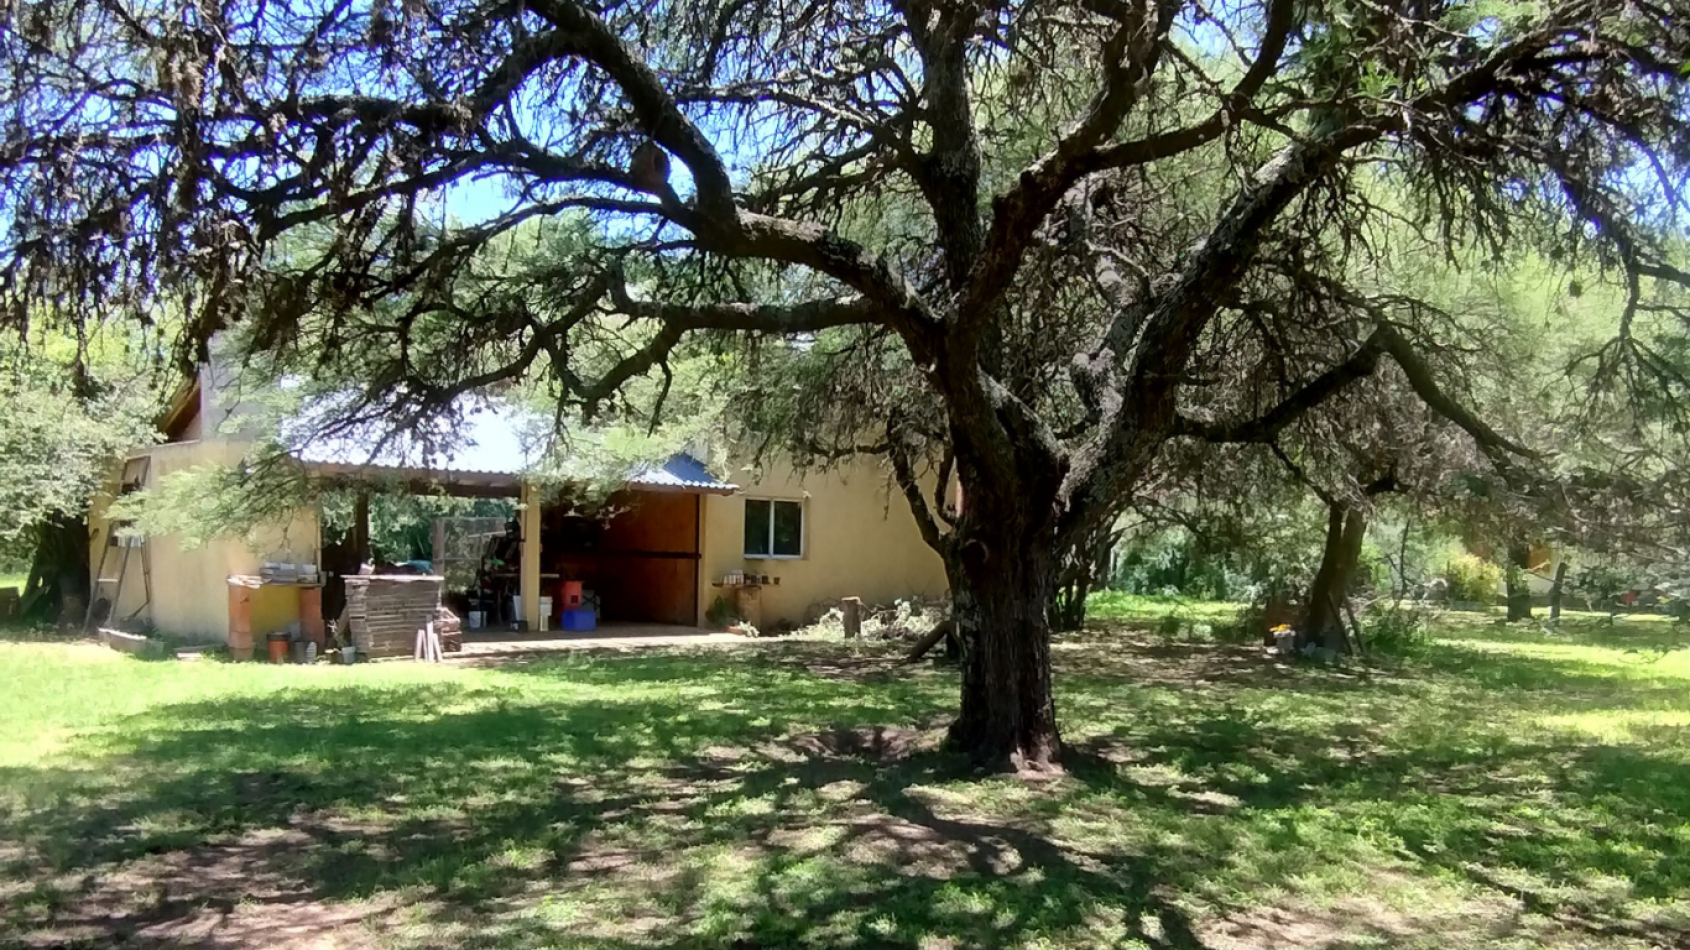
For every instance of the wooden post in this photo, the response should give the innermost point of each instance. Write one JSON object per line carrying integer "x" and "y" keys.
{"x": 852, "y": 608}
{"x": 529, "y": 585}
{"x": 1557, "y": 591}
{"x": 361, "y": 526}
{"x": 438, "y": 544}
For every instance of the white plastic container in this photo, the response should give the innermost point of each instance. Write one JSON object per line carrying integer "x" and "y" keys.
{"x": 517, "y": 616}
{"x": 477, "y": 619}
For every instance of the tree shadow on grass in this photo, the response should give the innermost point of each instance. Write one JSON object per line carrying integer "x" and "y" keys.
{"x": 675, "y": 800}
{"x": 469, "y": 818}
{"x": 1588, "y": 833}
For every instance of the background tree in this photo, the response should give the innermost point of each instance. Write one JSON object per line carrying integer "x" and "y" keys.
{"x": 721, "y": 148}
{"x": 73, "y": 410}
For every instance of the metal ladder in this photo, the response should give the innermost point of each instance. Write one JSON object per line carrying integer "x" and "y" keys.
{"x": 135, "y": 472}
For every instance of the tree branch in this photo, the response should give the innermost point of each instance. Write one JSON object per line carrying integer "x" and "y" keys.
{"x": 593, "y": 40}
{"x": 1426, "y": 386}
{"x": 1266, "y": 427}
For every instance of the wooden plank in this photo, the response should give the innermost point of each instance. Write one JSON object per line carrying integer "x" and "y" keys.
{"x": 852, "y": 608}
{"x": 529, "y": 584}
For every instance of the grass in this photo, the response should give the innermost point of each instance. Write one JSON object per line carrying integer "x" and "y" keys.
{"x": 1156, "y": 609}
{"x": 1499, "y": 788}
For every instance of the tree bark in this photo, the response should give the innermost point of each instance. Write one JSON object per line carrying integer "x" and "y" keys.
{"x": 1001, "y": 593}
{"x": 1081, "y": 569}
{"x": 1557, "y": 590}
{"x": 1323, "y": 622}
{"x": 851, "y": 614}
{"x": 360, "y": 535}
{"x": 59, "y": 571}
{"x": 929, "y": 640}
{"x": 1519, "y": 594}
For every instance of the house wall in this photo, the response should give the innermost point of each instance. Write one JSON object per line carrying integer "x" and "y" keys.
{"x": 190, "y": 585}
{"x": 859, "y": 540}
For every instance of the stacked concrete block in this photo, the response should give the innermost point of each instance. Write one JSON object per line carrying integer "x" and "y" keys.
{"x": 451, "y": 630}
{"x": 384, "y": 612}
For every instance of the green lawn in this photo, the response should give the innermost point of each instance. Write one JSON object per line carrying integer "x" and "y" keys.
{"x": 1501, "y": 788}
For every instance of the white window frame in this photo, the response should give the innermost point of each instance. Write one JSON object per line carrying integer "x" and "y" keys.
{"x": 803, "y": 531}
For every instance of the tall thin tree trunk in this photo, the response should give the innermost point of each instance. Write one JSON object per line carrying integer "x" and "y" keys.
{"x": 1323, "y": 623}
{"x": 1001, "y": 595}
{"x": 1082, "y": 569}
{"x": 1519, "y": 593}
{"x": 1557, "y": 590}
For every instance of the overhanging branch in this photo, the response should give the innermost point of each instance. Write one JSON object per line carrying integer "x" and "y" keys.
{"x": 1266, "y": 427}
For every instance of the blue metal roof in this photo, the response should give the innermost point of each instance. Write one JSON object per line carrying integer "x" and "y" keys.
{"x": 491, "y": 438}
{"x": 680, "y": 471}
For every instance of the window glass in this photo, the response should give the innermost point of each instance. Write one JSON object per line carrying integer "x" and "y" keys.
{"x": 788, "y": 529}
{"x": 756, "y": 528}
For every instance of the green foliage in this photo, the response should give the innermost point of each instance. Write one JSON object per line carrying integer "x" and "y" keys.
{"x": 1172, "y": 562}
{"x": 722, "y": 611}
{"x": 70, "y": 415}
{"x": 1396, "y": 629}
{"x": 1176, "y": 561}
{"x": 195, "y": 505}
{"x": 401, "y": 523}
{"x": 1601, "y": 584}
{"x": 1472, "y": 578}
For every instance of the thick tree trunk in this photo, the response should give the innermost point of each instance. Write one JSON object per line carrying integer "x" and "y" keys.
{"x": 1323, "y": 623}
{"x": 58, "y": 573}
{"x": 1001, "y": 592}
{"x": 1519, "y": 594}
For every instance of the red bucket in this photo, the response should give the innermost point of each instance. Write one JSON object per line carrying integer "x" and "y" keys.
{"x": 569, "y": 593}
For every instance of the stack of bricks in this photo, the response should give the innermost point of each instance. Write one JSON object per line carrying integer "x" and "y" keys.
{"x": 384, "y": 612}
{"x": 451, "y": 630}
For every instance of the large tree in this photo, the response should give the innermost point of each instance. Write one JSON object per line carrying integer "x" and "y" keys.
{"x": 74, "y": 407}
{"x": 1187, "y": 182}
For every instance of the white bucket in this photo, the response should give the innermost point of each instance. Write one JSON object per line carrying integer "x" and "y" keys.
{"x": 477, "y": 619}
{"x": 517, "y": 616}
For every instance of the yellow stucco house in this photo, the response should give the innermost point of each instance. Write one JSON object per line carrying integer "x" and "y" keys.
{"x": 790, "y": 541}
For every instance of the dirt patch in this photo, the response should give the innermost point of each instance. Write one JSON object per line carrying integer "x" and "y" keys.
{"x": 241, "y": 894}
{"x": 1366, "y": 922}
{"x": 909, "y": 848}
{"x": 871, "y": 743}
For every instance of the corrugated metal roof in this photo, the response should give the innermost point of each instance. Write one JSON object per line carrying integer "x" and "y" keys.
{"x": 490, "y": 439}
{"x": 680, "y": 471}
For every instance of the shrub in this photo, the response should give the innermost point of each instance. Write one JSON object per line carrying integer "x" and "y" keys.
{"x": 1395, "y": 629}
{"x": 722, "y": 612}
{"x": 1472, "y": 578}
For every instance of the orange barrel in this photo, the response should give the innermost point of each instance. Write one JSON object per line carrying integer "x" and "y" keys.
{"x": 240, "y": 620}
{"x": 311, "y": 616}
{"x": 570, "y": 594}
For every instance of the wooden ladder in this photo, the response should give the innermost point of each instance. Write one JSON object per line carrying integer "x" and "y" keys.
{"x": 135, "y": 472}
